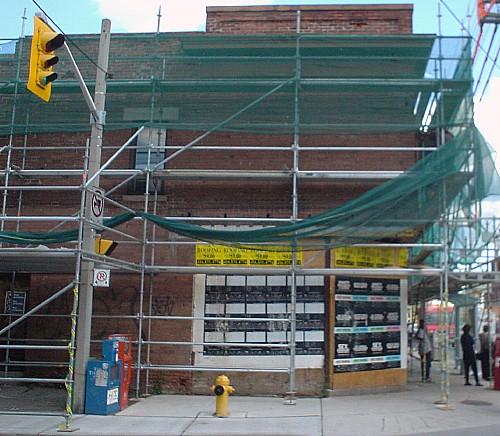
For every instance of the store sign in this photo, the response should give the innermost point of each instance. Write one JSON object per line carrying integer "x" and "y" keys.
{"x": 369, "y": 257}
{"x": 220, "y": 255}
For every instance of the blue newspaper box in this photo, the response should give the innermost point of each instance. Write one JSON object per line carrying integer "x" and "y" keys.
{"x": 102, "y": 395}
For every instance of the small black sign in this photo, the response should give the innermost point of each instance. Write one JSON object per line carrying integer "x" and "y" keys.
{"x": 15, "y": 302}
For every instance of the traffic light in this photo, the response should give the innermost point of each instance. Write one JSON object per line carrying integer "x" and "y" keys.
{"x": 42, "y": 59}
{"x": 104, "y": 246}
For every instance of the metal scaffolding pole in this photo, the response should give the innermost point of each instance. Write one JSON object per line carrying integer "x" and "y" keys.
{"x": 443, "y": 401}
{"x": 36, "y": 308}
{"x": 295, "y": 214}
{"x": 13, "y": 120}
{"x": 146, "y": 244}
{"x": 10, "y": 148}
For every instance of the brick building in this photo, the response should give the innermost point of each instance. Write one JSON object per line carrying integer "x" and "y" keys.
{"x": 273, "y": 115}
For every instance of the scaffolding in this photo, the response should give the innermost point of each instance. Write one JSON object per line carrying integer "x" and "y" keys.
{"x": 288, "y": 87}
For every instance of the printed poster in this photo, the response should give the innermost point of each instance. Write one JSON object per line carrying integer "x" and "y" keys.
{"x": 367, "y": 327}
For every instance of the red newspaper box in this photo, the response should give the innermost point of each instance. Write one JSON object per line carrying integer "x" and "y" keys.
{"x": 496, "y": 365}
{"x": 125, "y": 355}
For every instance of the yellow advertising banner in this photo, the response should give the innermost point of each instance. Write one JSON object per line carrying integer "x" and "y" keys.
{"x": 220, "y": 255}
{"x": 369, "y": 257}
{"x": 403, "y": 257}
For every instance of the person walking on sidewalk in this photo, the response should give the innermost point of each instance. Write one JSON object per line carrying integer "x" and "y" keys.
{"x": 425, "y": 351}
{"x": 469, "y": 356}
{"x": 484, "y": 352}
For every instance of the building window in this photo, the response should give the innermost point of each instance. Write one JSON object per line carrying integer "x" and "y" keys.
{"x": 150, "y": 145}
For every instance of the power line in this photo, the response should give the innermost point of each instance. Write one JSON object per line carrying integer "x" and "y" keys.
{"x": 489, "y": 75}
{"x": 443, "y": 2}
{"x": 68, "y": 38}
{"x": 485, "y": 60}
{"x": 478, "y": 46}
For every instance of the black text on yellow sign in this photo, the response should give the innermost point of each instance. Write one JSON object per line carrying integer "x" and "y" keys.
{"x": 219, "y": 255}
{"x": 370, "y": 257}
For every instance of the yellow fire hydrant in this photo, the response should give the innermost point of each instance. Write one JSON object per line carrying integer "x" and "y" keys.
{"x": 222, "y": 389}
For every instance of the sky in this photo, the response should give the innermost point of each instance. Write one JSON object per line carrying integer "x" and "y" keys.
{"x": 84, "y": 16}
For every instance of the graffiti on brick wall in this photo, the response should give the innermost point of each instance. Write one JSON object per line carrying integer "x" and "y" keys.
{"x": 111, "y": 305}
{"x": 115, "y": 310}
{"x": 162, "y": 306}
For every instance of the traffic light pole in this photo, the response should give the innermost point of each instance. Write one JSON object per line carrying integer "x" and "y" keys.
{"x": 83, "y": 333}
{"x": 83, "y": 86}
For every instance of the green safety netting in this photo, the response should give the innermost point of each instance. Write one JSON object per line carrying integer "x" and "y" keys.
{"x": 314, "y": 84}
{"x": 415, "y": 199}
{"x": 280, "y": 84}
{"x": 28, "y": 238}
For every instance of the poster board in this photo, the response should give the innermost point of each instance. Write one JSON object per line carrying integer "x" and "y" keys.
{"x": 367, "y": 324}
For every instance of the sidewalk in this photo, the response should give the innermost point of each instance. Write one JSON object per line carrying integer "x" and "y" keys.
{"x": 471, "y": 410}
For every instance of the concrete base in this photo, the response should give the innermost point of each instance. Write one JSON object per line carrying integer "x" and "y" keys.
{"x": 365, "y": 391}
{"x": 310, "y": 382}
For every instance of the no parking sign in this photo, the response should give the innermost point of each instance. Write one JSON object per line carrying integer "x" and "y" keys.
{"x": 101, "y": 277}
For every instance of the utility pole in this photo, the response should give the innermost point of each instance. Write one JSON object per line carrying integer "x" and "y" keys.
{"x": 86, "y": 289}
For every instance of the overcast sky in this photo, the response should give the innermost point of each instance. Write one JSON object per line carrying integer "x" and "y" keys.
{"x": 84, "y": 16}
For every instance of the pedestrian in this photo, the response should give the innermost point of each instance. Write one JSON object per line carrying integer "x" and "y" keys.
{"x": 484, "y": 352}
{"x": 425, "y": 351}
{"x": 469, "y": 356}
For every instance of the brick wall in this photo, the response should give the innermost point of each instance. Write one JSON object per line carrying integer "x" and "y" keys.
{"x": 121, "y": 298}
{"x": 211, "y": 197}
{"x": 173, "y": 294}
{"x": 204, "y": 197}
{"x": 249, "y": 198}
{"x": 343, "y": 19}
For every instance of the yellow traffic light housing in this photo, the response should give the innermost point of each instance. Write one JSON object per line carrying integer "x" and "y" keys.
{"x": 42, "y": 58}
{"x": 104, "y": 246}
